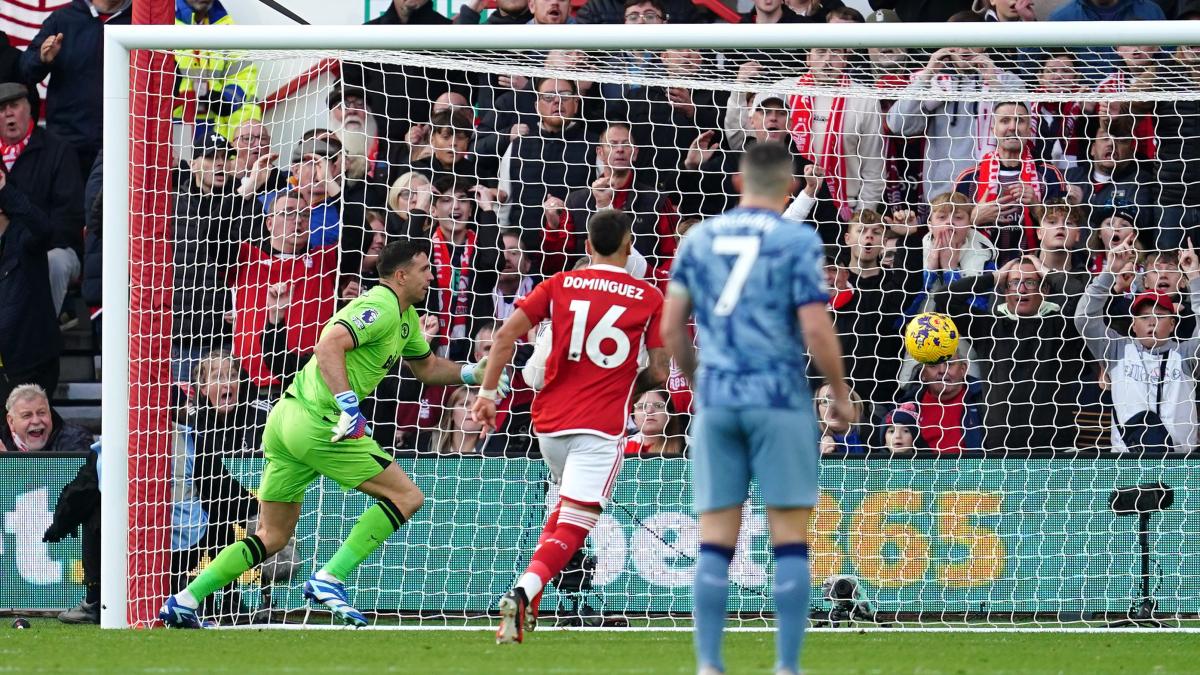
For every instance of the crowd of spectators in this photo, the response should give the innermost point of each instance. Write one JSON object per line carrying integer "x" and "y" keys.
{"x": 945, "y": 189}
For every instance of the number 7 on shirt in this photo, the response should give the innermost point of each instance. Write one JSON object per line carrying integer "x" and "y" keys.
{"x": 746, "y": 249}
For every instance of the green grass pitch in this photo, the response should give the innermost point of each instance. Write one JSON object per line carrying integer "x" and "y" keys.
{"x": 50, "y": 647}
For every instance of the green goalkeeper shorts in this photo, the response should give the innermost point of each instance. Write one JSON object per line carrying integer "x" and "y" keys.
{"x": 297, "y": 447}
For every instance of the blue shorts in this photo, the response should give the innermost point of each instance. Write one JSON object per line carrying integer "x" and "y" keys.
{"x": 777, "y": 446}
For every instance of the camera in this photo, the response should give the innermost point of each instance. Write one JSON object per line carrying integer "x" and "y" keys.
{"x": 847, "y": 600}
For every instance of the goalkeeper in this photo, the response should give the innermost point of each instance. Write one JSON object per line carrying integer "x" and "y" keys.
{"x": 317, "y": 429}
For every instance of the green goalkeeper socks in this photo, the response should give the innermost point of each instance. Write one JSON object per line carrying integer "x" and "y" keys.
{"x": 374, "y": 526}
{"x": 227, "y": 566}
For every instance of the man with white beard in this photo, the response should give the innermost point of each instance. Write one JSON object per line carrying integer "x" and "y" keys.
{"x": 354, "y": 123}
{"x": 364, "y": 163}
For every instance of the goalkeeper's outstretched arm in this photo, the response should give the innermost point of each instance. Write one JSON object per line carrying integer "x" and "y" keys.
{"x": 436, "y": 370}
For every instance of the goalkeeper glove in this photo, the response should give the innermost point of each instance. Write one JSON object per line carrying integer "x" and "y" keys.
{"x": 351, "y": 423}
{"x": 472, "y": 375}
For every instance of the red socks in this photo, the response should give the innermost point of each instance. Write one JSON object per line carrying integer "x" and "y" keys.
{"x": 564, "y": 533}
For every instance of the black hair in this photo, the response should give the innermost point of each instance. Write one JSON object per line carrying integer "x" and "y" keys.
{"x": 658, "y": 4}
{"x": 458, "y": 120}
{"x": 846, "y": 14}
{"x": 607, "y": 230}
{"x": 448, "y": 183}
{"x": 395, "y": 255}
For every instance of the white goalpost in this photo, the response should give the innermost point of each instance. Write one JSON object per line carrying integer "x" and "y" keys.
{"x": 997, "y": 517}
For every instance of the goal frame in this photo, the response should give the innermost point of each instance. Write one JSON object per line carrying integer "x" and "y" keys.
{"x": 120, "y": 43}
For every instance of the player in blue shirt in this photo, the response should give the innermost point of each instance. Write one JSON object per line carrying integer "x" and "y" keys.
{"x": 754, "y": 282}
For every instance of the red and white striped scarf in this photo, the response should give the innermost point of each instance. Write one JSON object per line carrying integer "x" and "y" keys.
{"x": 987, "y": 182}
{"x": 831, "y": 157}
{"x": 987, "y": 187}
{"x": 10, "y": 153}
{"x": 454, "y": 284}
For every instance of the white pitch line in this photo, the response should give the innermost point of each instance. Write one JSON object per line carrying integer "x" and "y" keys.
{"x": 736, "y": 629}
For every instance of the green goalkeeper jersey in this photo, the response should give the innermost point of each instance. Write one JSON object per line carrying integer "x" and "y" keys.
{"x": 382, "y": 335}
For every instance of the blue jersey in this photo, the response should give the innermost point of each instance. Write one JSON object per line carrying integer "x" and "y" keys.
{"x": 747, "y": 271}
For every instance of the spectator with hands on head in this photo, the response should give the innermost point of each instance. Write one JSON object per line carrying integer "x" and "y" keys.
{"x": 1030, "y": 356}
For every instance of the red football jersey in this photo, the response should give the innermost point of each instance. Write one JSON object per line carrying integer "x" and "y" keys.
{"x": 599, "y": 317}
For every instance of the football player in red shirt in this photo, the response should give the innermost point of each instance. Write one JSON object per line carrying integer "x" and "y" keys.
{"x": 600, "y": 317}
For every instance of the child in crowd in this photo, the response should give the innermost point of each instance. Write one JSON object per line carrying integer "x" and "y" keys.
{"x": 1110, "y": 228}
{"x": 902, "y": 431}
{"x": 1160, "y": 272}
{"x": 457, "y": 432}
{"x": 1153, "y": 372}
{"x": 953, "y": 248}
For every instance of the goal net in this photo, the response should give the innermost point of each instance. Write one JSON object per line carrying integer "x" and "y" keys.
{"x": 1042, "y": 197}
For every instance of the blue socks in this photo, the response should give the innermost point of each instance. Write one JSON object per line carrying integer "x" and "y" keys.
{"x": 711, "y": 593}
{"x": 793, "y": 582}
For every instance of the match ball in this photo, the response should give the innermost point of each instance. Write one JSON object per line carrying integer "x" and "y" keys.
{"x": 20, "y": 623}
{"x": 931, "y": 337}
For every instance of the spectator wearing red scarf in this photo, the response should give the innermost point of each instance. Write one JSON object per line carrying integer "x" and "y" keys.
{"x": 1008, "y": 181}
{"x": 842, "y": 135}
{"x": 464, "y": 252}
{"x": 953, "y": 127}
{"x": 45, "y": 168}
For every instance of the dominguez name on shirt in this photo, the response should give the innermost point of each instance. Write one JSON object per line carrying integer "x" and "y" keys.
{"x": 605, "y": 285}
